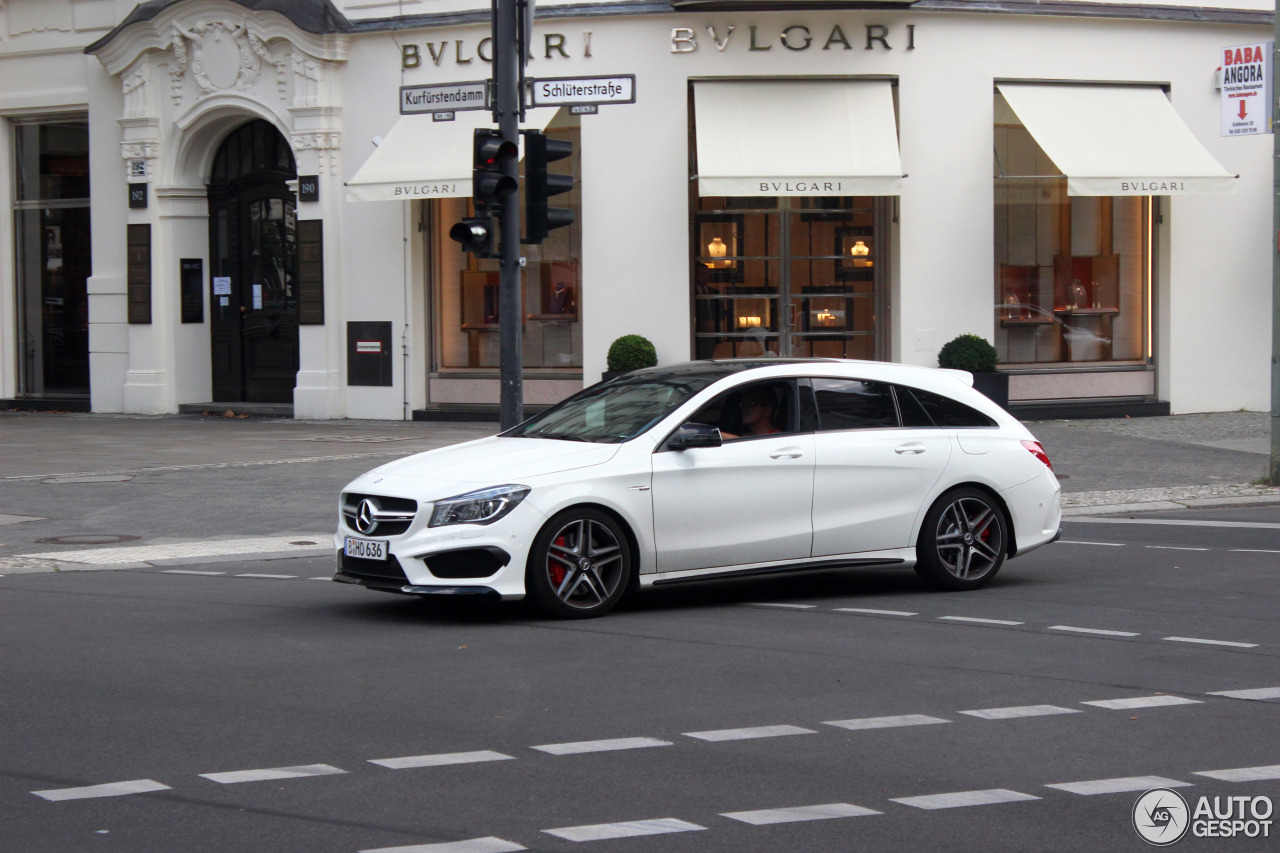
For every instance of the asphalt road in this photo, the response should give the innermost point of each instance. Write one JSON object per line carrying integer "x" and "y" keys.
{"x": 288, "y": 713}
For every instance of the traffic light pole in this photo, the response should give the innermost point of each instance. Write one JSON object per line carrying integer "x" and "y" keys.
{"x": 507, "y": 63}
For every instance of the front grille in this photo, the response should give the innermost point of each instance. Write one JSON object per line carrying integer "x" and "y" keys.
{"x": 393, "y": 515}
{"x": 372, "y": 570}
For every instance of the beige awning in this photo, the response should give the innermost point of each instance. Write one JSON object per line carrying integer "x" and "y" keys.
{"x": 1117, "y": 140}
{"x": 422, "y": 159}
{"x": 797, "y": 138}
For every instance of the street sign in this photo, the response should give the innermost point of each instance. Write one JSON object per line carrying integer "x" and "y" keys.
{"x": 582, "y": 91}
{"x": 445, "y": 97}
{"x": 1246, "y": 89}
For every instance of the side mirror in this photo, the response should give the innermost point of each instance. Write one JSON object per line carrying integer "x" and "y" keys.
{"x": 691, "y": 436}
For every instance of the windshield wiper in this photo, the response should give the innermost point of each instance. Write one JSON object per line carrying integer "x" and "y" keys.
{"x": 555, "y": 436}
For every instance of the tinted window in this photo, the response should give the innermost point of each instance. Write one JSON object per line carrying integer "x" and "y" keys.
{"x": 732, "y": 411}
{"x": 913, "y": 414}
{"x": 945, "y": 412}
{"x": 854, "y": 404}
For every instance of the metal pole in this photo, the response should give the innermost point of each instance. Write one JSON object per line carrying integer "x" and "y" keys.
{"x": 1275, "y": 279}
{"x": 506, "y": 75}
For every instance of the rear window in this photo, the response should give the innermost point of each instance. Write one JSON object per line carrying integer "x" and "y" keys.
{"x": 854, "y": 404}
{"x": 942, "y": 411}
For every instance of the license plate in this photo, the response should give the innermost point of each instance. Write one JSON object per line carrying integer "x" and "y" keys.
{"x": 365, "y": 549}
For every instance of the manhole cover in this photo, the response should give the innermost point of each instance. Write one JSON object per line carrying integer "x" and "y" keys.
{"x": 88, "y": 539}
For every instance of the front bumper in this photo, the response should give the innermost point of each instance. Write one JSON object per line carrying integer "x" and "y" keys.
{"x": 388, "y": 576}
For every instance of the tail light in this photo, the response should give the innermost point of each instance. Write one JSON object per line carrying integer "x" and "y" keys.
{"x": 1038, "y": 452}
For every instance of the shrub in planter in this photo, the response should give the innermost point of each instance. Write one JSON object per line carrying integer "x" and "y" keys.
{"x": 976, "y": 355}
{"x": 630, "y": 352}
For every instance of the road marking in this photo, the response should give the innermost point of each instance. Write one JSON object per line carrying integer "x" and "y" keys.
{"x": 1173, "y": 548}
{"x": 190, "y": 572}
{"x": 630, "y": 829}
{"x": 210, "y": 548}
{"x": 886, "y": 722}
{"x": 600, "y": 745}
{"x": 1258, "y": 693}
{"x": 440, "y": 760}
{"x": 1118, "y": 786}
{"x": 796, "y": 814}
{"x": 789, "y": 606}
{"x": 111, "y": 789}
{"x": 1255, "y": 525}
{"x": 1021, "y": 711}
{"x": 1212, "y": 642}
{"x": 270, "y": 577}
{"x": 474, "y": 845}
{"x": 1080, "y": 542}
{"x": 748, "y": 734}
{"x": 1097, "y": 631}
{"x": 272, "y": 774}
{"x": 325, "y": 578}
{"x": 875, "y": 612}
{"x": 980, "y": 621}
{"x": 1141, "y": 702}
{"x": 1252, "y": 551}
{"x": 961, "y": 799}
{"x": 1243, "y": 774}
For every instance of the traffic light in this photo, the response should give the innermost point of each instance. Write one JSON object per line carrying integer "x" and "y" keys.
{"x": 490, "y": 184}
{"x": 540, "y": 186}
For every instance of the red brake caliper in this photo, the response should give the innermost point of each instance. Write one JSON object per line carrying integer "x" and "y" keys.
{"x": 554, "y": 570}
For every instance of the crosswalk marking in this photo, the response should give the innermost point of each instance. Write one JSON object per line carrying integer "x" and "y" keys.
{"x": 886, "y": 722}
{"x": 1118, "y": 786}
{"x": 272, "y": 774}
{"x": 747, "y": 734}
{"x": 110, "y": 789}
{"x": 1258, "y": 693}
{"x": 795, "y": 814}
{"x": 1243, "y": 774}
{"x": 474, "y": 845}
{"x": 600, "y": 745}
{"x": 1020, "y": 711}
{"x": 1140, "y": 702}
{"x": 629, "y": 829}
{"x": 440, "y": 760}
{"x": 961, "y": 799}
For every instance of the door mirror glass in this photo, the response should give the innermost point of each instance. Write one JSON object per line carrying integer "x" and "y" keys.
{"x": 691, "y": 436}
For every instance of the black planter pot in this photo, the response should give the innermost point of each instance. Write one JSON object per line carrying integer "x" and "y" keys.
{"x": 994, "y": 385}
{"x": 612, "y": 374}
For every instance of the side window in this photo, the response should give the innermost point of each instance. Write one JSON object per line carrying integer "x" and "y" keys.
{"x": 913, "y": 414}
{"x": 854, "y": 404}
{"x": 762, "y": 408}
{"x": 946, "y": 412}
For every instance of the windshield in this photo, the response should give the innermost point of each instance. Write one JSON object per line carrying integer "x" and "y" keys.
{"x": 613, "y": 412}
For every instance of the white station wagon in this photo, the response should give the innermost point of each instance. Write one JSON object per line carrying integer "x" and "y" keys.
{"x": 710, "y": 469}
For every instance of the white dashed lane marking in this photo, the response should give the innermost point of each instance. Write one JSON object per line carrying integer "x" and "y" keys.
{"x": 474, "y": 845}
{"x": 961, "y": 799}
{"x": 979, "y": 621}
{"x": 1021, "y": 711}
{"x": 747, "y": 734}
{"x": 796, "y": 814}
{"x": 440, "y": 760}
{"x": 1212, "y": 642}
{"x": 875, "y": 612}
{"x": 601, "y": 745}
{"x": 270, "y": 577}
{"x": 1079, "y": 542}
{"x": 1140, "y": 702}
{"x": 111, "y": 789}
{"x": 1098, "y": 631}
{"x": 191, "y": 572}
{"x": 1243, "y": 774}
{"x": 1118, "y": 786}
{"x": 272, "y": 774}
{"x": 1260, "y": 693}
{"x": 629, "y": 829}
{"x": 784, "y": 605}
{"x": 886, "y": 722}
{"x": 1173, "y": 548}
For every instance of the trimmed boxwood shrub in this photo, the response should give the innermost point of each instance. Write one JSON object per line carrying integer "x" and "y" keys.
{"x": 968, "y": 352}
{"x": 631, "y": 352}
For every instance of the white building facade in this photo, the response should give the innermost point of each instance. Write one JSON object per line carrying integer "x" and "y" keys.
{"x": 220, "y": 202}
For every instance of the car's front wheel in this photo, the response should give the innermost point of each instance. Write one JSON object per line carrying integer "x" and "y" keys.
{"x": 580, "y": 565}
{"x": 963, "y": 540}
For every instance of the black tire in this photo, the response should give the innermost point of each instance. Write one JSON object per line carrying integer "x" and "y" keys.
{"x": 579, "y": 566}
{"x": 963, "y": 540}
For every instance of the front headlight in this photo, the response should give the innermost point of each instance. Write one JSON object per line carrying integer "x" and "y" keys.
{"x": 483, "y": 507}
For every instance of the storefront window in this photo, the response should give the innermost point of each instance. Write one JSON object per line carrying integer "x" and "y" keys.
{"x": 466, "y": 288}
{"x": 786, "y": 276}
{"x": 1072, "y": 273}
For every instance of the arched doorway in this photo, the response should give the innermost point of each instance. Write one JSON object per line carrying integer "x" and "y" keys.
{"x": 253, "y": 261}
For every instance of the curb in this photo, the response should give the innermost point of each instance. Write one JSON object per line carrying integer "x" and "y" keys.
{"x": 1168, "y": 505}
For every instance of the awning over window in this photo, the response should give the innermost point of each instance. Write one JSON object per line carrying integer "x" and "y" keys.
{"x": 423, "y": 159}
{"x": 1117, "y": 140}
{"x": 796, "y": 138}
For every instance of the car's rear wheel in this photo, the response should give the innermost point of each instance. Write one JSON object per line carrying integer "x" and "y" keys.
{"x": 579, "y": 566}
{"x": 963, "y": 540}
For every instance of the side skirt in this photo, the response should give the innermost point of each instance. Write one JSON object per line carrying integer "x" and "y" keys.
{"x": 668, "y": 578}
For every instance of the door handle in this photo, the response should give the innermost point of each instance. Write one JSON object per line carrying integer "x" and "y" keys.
{"x": 910, "y": 447}
{"x": 787, "y": 453}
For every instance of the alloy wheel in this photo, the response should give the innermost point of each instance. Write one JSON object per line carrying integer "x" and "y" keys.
{"x": 584, "y": 564}
{"x": 970, "y": 538}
